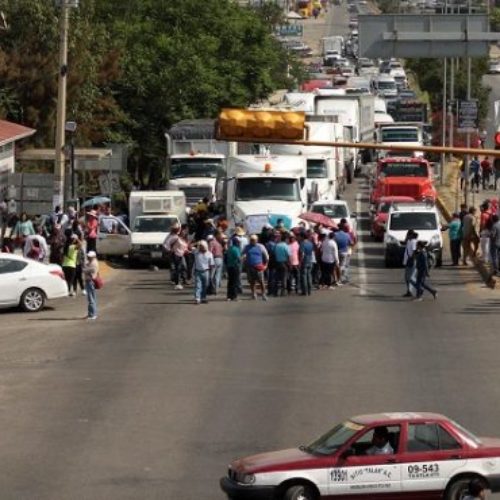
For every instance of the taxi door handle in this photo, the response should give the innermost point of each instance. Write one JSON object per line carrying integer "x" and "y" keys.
{"x": 391, "y": 461}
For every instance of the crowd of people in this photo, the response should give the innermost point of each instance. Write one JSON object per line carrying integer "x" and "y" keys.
{"x": 277, "y": 261}
{"x": 482, "y": 174}
{"x": 472, "y": 233}
{"x": 67, "y": 238}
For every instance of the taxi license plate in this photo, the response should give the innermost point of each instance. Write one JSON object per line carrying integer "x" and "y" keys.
{"x": 156, "y": 255}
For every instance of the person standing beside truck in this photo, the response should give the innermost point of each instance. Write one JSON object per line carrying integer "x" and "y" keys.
{"x": 203, "y": 265}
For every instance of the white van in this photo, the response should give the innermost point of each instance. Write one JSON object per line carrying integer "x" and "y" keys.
{"x": 423, "y": 218}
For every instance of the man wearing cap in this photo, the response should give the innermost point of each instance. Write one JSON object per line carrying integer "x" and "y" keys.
{"x": 256, "y": 259}
{"x": 203, "y": 265}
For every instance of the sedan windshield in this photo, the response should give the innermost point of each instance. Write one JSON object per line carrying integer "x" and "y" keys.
{"x": 413, "y": 220}
{"x": 330, "y": 442}
{"x": 332, "y": 211}
{"x": 274, "y": 188}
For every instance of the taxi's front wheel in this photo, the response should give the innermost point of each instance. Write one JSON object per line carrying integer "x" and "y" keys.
{"x": 300, "y": 492}
{"x": 460, "y": 487}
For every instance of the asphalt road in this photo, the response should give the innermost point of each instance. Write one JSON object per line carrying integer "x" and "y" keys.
{"x": 153, "y": 399}
{"x": 156, "y": 397}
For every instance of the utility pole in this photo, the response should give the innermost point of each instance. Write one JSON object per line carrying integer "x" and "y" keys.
{"x": 60, "y": 159}
{"x": 467, "y": 157}
{"x": 444, "y": 111}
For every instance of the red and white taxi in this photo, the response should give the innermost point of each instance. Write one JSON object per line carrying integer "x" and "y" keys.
{"x": 424, "y": 456}
{"x": 381, "y": 214}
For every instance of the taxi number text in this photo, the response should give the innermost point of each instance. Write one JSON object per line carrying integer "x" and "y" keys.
{"x": 416, "y": 471}
{"x": 338, "y": 475}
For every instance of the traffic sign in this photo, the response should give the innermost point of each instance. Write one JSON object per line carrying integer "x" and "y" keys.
{"x": 290, "y": 30}
{"x": 468, "y": 117}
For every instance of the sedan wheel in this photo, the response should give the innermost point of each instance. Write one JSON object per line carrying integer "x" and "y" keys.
{"x": 32, "y": 300}
{"x": 300, "y": 492}
{"x": 458, "y": 489}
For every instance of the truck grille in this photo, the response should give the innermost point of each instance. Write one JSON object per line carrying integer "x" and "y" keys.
{"x": 403, "y": 190}
{"x": 194, "y": 194}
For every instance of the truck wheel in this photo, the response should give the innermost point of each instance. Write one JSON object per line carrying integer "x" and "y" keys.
{"x": 300, "y": 492}
{"x": 458, "y": 488}
{"x": 32, "y": 300}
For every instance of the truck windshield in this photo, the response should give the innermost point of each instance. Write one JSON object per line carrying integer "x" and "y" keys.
{"x": 404, "y": 169}
{"x": 316, "y": 169}
{"x": 330, "y": 442}
{"x": 196, "y": 167}
{"x": 267, "y": 189}
{"x": 386, "y": 85}
{"x": 400, "y": 135}
{"x": 153, "y": 224}
{"x": 413, "y": 220}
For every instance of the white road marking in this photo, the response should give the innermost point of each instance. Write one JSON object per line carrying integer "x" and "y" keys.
{"x": 363, "y": 281}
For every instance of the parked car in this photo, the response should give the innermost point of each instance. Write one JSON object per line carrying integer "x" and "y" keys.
{"x": 28, "y": 283}
{"x": 494, "y": 67}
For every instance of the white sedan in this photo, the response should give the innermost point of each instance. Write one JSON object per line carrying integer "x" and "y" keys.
{"x": 28, "y": 284}
{"x": 336, "y": 210}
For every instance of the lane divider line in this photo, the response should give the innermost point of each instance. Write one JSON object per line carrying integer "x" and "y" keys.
{"x": 363, "y": 281}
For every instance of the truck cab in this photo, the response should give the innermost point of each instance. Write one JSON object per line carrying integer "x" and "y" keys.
{"x": 399, "y": 133}
{"x": 403, "y": 176}
{"x": 195, "y": 159}
{"x": 260, "y": 190}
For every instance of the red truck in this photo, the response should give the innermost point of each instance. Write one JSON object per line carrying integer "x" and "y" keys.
{"x": 402, "y": 176}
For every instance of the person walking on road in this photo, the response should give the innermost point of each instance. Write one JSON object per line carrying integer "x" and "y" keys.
{"x": 495, "y": 243}
{"x": 91, "y": 229}
{"x": 455, "y": 236}
{"x": 422, "y": 267}
{"x": 329, "y": 260}
{"x": 70, "y": 260}
{"x": 203, "y": 265}
{"x": 90, "y": 273}
{"x": 470, "y": 237}
{"x": 216, "y": 247}
{"x": 475, "y": 171}
{"x": 233, "y": 267}
{"x": 293, "y": 264}
{"x": 487, "y": 170}
{"x": 256, "y": 259}
{"x": 409, "y": 260}
{"x": 281, "y": 259}
{"x": 344, "y": 244}
{"x": 306, "y": 256}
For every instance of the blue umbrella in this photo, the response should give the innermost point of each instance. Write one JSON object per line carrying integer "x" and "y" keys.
{"x": 97, "y": 200}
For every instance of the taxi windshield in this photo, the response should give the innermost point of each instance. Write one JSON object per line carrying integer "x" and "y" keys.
{"x": 330, "y": 442}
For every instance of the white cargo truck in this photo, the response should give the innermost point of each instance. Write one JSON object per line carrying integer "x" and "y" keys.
{"x": 325, "y": 164}
{"x": 356, "y": 113}
{"x": 263, "y": 189}
{"x": 401, "y": 133}
{"x": 332, "y": 45}
{"x": 152, "y": 214}
{"x": 195, "y": 159}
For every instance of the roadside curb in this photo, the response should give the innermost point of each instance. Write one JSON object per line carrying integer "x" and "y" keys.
{"x": 445, "y": 192}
